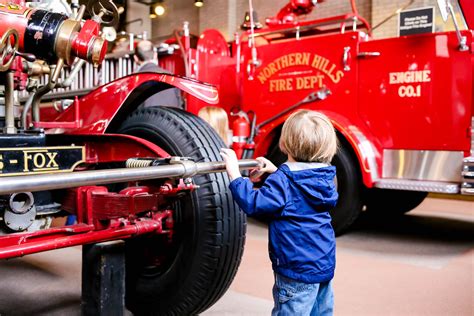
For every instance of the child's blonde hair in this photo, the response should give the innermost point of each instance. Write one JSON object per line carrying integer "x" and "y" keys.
{"x": 217, "y": 118}
{"x": 309, "y": 136}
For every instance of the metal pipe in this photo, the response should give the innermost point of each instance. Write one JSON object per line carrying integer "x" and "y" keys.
{"x": 178, "y": 169}
{"x": 9, "y": 105}
{"x": 53, "y": 79}
{"x": 72, "y": 75}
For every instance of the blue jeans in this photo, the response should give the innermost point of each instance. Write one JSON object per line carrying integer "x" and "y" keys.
{"x": 293, "y": 298}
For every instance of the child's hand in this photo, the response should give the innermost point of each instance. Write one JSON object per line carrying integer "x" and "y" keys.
{"x": 267, "y": 165}
{"x": 231, "y": 163}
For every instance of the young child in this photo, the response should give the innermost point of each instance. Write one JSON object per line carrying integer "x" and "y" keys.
{"x": 298, "y": 196}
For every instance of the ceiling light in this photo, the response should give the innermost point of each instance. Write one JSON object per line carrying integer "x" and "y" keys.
{"x": 198, "y": 3}
{"x": 159, "y": 10}
{"x": 152, "y": 13}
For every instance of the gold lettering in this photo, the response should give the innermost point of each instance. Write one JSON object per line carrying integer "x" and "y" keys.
{"x": 27, "y": 157}
{"x": 393, "y": 78}
{"x": 39, "y": 161}
{"x": 299, "y": 83}
{"x": 284, "y": 61}
{"x": 309, "y": 82}
{"x": 298, "y": 58}
{"x": 324, "y": 65}
{"x": 1, "y": 162}
{"x": 52, "y": 160}
{"x": 316, "y": 61}
{"x": 339, "y": 75}
{"x": 281, "y": 85}
{"x": 305, "y": 58}
{"x": 273, "y": 85}
{"x": 262, "y": 78}
{"x": 426, "y": 75}
{"x": 409, "y": 77}
{"x": 266, "y": 72}
{"x": 291, "y": 61}
{"x": 272, "y": 68}
{"x": 330, "y": 72}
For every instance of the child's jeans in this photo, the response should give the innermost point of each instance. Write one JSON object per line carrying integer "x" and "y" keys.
{"x": 296, "y": 298}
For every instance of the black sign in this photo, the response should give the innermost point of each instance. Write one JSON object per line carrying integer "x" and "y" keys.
{"x": 27, "y": 160}
{"x": 417, "y": 21}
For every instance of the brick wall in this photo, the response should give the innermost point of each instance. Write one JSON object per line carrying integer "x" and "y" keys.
{"x": 135, "y": 11}
{"x": 177, "y": 11}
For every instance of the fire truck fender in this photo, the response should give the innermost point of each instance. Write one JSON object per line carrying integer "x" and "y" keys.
{"x": 361, "y": 143}
{"x": 114, "y": 101}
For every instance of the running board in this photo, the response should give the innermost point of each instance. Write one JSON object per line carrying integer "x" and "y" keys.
{"x": 413, "y": 185}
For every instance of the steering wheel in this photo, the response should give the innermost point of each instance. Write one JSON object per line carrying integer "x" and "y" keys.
{"x": 103, "y": 11}
{"x": 7, "y": 49}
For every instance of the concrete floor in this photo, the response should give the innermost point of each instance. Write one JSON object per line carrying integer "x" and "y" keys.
{"x": 421, "y": 264}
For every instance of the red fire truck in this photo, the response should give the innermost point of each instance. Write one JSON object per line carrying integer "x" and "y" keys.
{"x": 402, "y": 107}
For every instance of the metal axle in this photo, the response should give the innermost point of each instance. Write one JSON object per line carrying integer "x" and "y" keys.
{"x": 177, "y": 169}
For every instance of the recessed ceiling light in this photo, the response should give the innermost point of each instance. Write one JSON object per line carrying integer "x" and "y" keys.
{"x": 198, "y": 3}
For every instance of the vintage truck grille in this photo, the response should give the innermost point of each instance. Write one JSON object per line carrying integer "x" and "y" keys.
{"x": 89, "y": 77}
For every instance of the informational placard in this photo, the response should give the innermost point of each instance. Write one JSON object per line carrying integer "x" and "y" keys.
{"x": 416, "y": 21}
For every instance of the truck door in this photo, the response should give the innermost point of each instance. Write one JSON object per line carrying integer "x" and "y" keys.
{"x": 417, "y": 94}
{"x": 289, "y": 69}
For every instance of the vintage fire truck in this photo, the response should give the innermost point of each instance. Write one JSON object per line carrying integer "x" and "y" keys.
{"x": 150, "y": 177}
{"x": 403, "y": 107}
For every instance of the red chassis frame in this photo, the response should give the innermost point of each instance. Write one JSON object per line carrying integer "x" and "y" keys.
{"x": 104, "y": 215}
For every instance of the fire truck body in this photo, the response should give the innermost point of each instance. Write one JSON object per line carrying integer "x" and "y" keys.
{"x": 403, "y": 107}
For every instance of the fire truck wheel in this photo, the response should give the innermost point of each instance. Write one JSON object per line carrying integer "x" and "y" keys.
{"x": 386, "y": 202}
{"x": 349, "y": 187}
{"x": 190, "y": 274}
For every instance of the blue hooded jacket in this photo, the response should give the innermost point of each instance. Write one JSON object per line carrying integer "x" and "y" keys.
{"x": 298, "y": 197}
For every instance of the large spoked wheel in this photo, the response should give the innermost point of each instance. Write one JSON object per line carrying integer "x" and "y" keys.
{"x": 384, "y": 202}
{"x": 349, "y": 187}
{"x": 190, "y": 274}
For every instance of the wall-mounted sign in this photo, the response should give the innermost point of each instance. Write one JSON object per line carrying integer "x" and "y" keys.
{"x": 416, "y": 21}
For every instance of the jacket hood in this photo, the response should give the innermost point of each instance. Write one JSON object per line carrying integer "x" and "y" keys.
{"x": 315, "y": 181}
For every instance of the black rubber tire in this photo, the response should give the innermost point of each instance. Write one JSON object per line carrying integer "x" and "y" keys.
{"x": 384, "y": 202}
{"x": 209, "y": 225}
{"x": 349, "y": 187}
